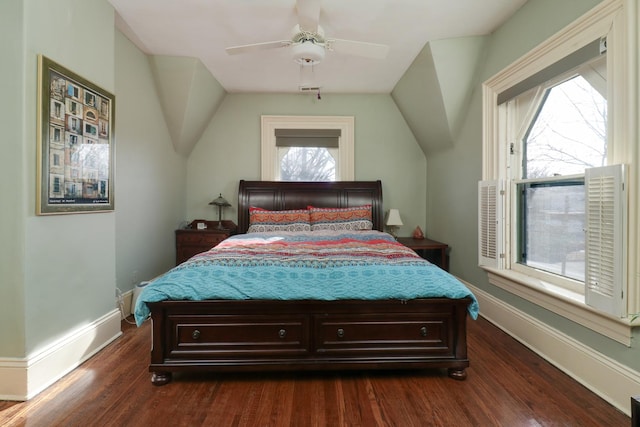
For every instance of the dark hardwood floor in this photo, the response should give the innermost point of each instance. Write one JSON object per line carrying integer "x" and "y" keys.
{"x": 507, "y": 385}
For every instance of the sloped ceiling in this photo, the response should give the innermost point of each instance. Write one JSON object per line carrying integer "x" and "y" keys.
{"x": 433, "y": 93}
{"x": 189, "y": 96}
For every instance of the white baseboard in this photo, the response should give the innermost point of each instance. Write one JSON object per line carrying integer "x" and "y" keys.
{"x": 609, "y": 379}
{"x": 23, "y": 378}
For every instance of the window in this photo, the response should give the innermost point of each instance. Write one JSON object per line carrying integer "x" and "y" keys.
{"x": 57, "y": 133}
{"x": 73, "y": 90}
{"x": 549, "y": 230}
{"x": 316, "y": 148}
{"x": 307, "y": 154}
{"x": 56, "y": 185}
{"x": 307, "y": 164}
{"x": 564, "y": 134}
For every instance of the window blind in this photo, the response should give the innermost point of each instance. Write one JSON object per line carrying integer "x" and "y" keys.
{"x": 573, "y": 60}
{"x": 328, "y": 138}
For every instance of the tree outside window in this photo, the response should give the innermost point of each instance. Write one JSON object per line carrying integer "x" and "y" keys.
{"x": 307, "y": 164}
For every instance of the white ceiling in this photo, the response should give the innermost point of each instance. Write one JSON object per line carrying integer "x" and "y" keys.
{"x": 204, "y": 28}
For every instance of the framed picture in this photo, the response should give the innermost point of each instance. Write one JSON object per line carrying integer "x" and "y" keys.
{"x": 76, "y": 144}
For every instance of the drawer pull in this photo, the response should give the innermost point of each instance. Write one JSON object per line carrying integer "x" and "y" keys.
{"x": 340, "y": 333}
{"x": 423, "y": 331}
{"x": 282, "y": 333}
{"x": 196, "y": 334}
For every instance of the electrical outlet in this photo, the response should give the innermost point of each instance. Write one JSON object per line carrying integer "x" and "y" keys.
{"x": 120, "y": 303}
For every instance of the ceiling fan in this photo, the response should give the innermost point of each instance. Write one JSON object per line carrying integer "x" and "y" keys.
{"x": 308, "y": 43}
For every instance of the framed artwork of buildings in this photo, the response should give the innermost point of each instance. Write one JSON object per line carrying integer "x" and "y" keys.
{"x": 75, "y": 143}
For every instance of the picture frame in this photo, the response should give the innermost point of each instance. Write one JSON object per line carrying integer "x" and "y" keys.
{"x": 76, "y": 143}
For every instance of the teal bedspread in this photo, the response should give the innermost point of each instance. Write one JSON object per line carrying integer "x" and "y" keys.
{"x": 317, "y": 265}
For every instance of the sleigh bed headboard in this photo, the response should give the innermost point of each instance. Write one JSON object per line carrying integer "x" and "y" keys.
{"x": 279, "y": 195}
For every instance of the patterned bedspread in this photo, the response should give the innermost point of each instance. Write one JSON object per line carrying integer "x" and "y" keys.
{"x": 318, "y": 265}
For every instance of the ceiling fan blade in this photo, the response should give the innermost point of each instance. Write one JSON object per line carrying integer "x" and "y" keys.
{"x": 352, "y": 47}
{"x": 234, "y": 50}
{"x": 308, "y": 14}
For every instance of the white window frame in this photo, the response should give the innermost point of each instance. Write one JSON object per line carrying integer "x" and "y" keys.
{"x": 616, "y": 20}
{"x": 345, "y": 159}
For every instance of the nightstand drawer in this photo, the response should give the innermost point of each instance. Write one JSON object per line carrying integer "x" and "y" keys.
{"x": 201, "y": 238}
{"x": 192, "y": 241}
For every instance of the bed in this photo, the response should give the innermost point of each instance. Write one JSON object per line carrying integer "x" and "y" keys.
{"x": 237, "y": 330}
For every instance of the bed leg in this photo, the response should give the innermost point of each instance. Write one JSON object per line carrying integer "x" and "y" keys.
{"x": 458, "y": 374}
{"x": 160, "y": 378}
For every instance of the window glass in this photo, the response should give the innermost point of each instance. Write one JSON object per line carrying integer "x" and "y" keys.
{"x": 568, "y": 133}
{"x": 565, "y": 134}
{"x": 552, "y": 220}
{"x": 307, "y": 164}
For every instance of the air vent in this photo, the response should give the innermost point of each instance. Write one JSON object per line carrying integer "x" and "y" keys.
{"x": 305, "y": 89}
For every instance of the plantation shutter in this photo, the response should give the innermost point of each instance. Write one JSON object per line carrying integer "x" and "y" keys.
{"x": 605, "y": 256}
{"x": 490, "y": 205}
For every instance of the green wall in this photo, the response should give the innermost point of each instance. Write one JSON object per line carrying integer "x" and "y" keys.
{"x": 385, "y": 149}
{"x": 59, "y": 273}
{"x": 151, "y": 175}
{"x": 452, "y": 213}
{"x": 12, "y": 182}
{"x": 64, "y": 253}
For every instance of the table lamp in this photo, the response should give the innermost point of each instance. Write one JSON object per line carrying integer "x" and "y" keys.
{"x": 393, "y": 222}
{"x": 220, "y": 202}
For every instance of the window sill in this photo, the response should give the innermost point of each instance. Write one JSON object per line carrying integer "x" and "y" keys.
{"x": 561, "y": 302}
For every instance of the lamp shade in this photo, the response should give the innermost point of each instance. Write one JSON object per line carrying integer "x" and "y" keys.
{"x": 307, "y": 53}
{"x": 393, "y": 218}
{"x": 220, "y": 201}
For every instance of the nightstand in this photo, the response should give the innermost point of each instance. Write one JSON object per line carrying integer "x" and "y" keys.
{"x": 193, "y": 240}
{"x": 431, "y": 250}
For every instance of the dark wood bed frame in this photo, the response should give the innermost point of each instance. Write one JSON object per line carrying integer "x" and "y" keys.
{"x": 252, "y": 335}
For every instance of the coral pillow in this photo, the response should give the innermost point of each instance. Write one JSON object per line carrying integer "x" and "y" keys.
{"x": 355, "y": 218}
{"x": 266, "y": 220}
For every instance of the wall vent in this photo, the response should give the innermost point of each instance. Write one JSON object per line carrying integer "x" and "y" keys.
{"x": 306, "y": 89}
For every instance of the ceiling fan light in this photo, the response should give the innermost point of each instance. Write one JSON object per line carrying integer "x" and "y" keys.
{"x": 307, "y": 53}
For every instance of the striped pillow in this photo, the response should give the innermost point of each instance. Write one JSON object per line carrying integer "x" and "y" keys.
{"x": 265, "y": 220}
{"x": 354, "y": 218}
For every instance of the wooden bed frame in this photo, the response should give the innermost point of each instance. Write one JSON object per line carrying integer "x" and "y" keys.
{"x": 252, "y": 335}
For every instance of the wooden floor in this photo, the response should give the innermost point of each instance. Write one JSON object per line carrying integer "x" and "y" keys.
{"x": 507, "y": 386}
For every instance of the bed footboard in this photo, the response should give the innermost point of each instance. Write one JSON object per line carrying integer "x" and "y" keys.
{"x": 222, "y": 335}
